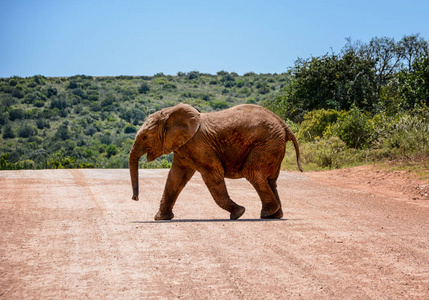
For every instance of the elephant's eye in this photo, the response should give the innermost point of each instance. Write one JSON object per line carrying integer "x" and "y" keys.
{"x": 144, "y": 138}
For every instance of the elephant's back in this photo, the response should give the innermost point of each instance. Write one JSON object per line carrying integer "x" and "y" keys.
{"x": 245, "y": 127}
{"x": 248, "y": 119}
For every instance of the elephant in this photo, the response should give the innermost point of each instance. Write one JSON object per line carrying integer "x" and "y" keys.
{"x": 243, "y": 141}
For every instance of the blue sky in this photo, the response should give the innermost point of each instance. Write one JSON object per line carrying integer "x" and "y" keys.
{"x": 124, "y": 37}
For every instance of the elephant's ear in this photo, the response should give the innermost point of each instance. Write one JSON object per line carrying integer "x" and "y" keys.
{"x": 183, "y": 121}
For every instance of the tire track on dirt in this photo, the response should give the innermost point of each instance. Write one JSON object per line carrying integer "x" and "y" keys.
{"x": 76, "y": 234}
{"x": 119, "y": 253}
{"x": 82, "y": 183}
{"x": 367, "y": 240}
{"x": 220, "y": 256}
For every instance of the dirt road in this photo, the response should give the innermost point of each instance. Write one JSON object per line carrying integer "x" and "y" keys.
{"x": 77, "y": 234}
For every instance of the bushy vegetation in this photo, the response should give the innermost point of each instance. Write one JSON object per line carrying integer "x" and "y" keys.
{"x": 84, "y": 121}
{"x": 367, "y": 103}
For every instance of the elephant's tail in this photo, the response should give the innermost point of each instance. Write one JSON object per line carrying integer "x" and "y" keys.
{"x": 291, "y": 137}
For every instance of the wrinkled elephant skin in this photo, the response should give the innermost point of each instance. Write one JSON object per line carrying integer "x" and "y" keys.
{"x": 244, "y": 141}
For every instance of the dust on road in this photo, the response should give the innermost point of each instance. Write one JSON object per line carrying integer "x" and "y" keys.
{"x": 77, "y": 234}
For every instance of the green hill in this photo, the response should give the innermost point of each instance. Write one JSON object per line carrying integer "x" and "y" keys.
{"x": 367, "y": 103}
{"x": 85, "y": 121}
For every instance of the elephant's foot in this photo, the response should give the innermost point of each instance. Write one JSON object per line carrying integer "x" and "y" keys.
{"x": 237, "y": 213}
{"x": 277, "y": 215}
{"x": 164, "y": 216}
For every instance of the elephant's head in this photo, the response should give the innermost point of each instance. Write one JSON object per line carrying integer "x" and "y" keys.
{"x": 162, "y": 133}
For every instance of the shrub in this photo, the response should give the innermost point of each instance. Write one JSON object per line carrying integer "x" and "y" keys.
{"x": 169, "y": 86}
{"x": 59, "y": 102}
{"x": 105, "y": 139}
{"x": 251, "y": 101}
{"x": 111, "y": 150}
{"x": 24, "y": 164}
{"x": 13, "y": 81}
{"x": 404, "y": 136}
{"x": 109, "y": 100}
{"x": 93, "y": 96}
{"x": 219, "y": 105}
{"x": 325, "y": 153}
{"x": 3, "y": 118}
{"x": 353, "y": 128}
{"x": 240, "y": 83}
{"x": 264, "y": 90}
{"x": 331, "y": 153}
{"x": 16, "y": 114}
{"x": 63, "y": 132}
{"x": 95, "y": 106}
{"x": 130, "y": 129}
{"x": 193, "y": 75}
{"x": 4, "y": 162}
{"x": 26, "y": 131}
{"x": 79, "y": 92}
{"x": 316, "y": 122}
{"x": 39, "y": 103}
{"x": 90, "y": 130}
{"x": 6, "y": 165}
{"x": 42, "y": 123}
{"x": 8, "y": 132}
{"x": 17, "y": 93}
{"x": 8, "y": 101}
{"x": 72, "y": 85}
{"x": 51, "y": 92}
{"x": 144, "y": 88}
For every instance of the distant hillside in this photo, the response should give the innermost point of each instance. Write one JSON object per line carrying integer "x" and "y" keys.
{"x": 368, "y": 102}
{"x": 85, "y": 121}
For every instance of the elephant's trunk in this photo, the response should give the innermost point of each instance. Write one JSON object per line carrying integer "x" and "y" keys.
{"x": 133, "y": 164}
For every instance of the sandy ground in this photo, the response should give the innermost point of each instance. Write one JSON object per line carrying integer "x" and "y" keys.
{"x": 357, "y": 233}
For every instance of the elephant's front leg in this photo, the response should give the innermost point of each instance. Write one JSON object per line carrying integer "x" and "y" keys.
{"x": 176, "y": 181}
{"x": 219, "y": 193}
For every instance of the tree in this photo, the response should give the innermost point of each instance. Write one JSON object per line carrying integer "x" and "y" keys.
{"x": 327, "y": 82}
{"x": 413, "y": 48}
{"x": 415, "y": 84}
{"x": 388, "y": 56}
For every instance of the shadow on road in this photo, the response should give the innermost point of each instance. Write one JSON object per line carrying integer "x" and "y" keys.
{"x": 212, "y": 221}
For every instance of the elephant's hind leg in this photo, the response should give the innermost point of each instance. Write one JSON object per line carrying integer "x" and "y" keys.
{"x": 273, "y": 185}
{"x": 219, "y": 193}
{"x": 271, "y": 207}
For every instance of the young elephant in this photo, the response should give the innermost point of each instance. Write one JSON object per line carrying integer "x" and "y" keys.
{"x": 244, "y": 141}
